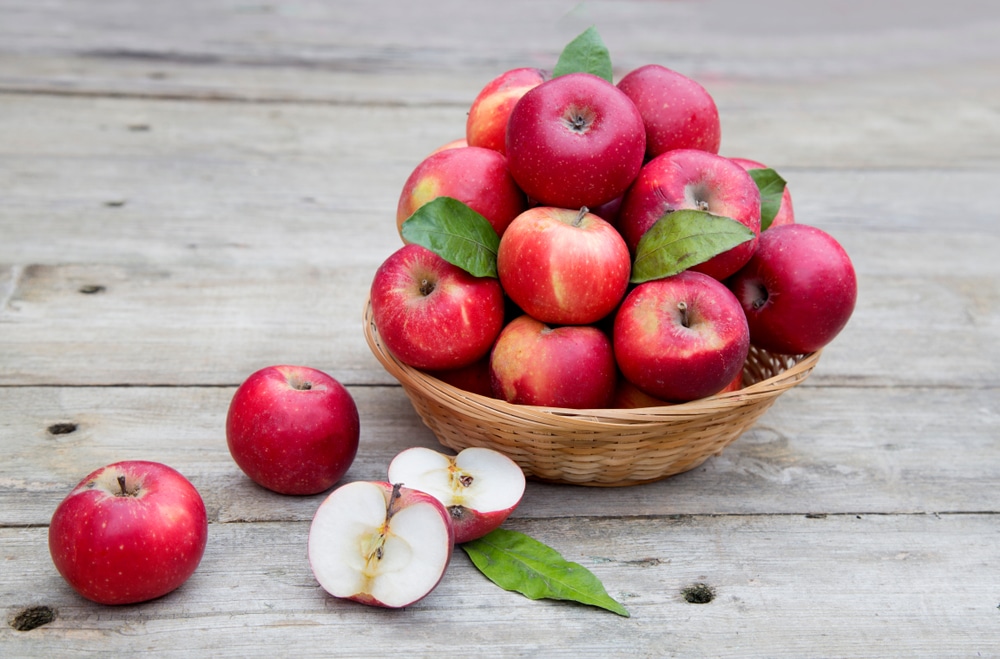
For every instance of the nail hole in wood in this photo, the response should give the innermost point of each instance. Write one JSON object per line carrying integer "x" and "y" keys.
{"x": 698, "y": 593}
{"x": 33, "y": 617}
{"x": 62, "y": 428}
{"x": 92, "y": 289}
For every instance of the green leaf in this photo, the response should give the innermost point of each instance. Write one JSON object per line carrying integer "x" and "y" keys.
{"x": 517, "y": 562}
{"x": 771, "y": 187}
{"x": 585, "y": 54}
{"x": 456, "y": 233}
{"x": 682, "y": 239}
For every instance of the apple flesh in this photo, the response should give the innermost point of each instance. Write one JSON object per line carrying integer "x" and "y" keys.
{"x": 380, "y": 544}
{"x": 574, "y": 141}
{"x": 677, "y": 111}
{"x": 129, "y": 532}
{"x": 786, "y": 212}
{"x": 681, "y": 338}
{"x": 569, "y": 366}
{"x": 480, "y": 487}
{"x": 486, "y": 125}
{"x": 293, "y": 429}
{"x": 562, "y": 266}
{"x": 798, "y": 290}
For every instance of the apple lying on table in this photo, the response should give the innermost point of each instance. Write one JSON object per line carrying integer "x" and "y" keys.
{"x": 480, "y": 487}
{"x": 129, "y": 532}
{"x": 798, "y": 290}
{"x": 380, "y": 544}
{"x": 293, "y": 429}
{"x": 486, "y": 124}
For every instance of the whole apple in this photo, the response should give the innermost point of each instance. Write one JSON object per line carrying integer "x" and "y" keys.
{"x": 477, "y": 177}
{"x": 129, "y": 532}
{"x": 574, "y": 141}
{"x": 681, "y": 338}
{"x": 486, "y": 124}
{"x": 569, "y": 366}
{"x": 293, "y": 429}
{"x": 786, "y": 213}
{"x": 677, "y": 111}
{"x": 695, "y": 180}
{"x": 433, "y": 315}
{"x": 562, "y": 266}
{"x": 798, "y": 290}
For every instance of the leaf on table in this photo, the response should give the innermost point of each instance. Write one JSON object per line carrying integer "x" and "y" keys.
{"x": 585, "y": 54}
{"x": 456, "y": 233}
{"x": 771, "y": 187}
{"x": 684, "y": 238}
{"x": 517, "y": 562}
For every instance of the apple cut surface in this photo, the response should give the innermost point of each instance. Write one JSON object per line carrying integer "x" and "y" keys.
{"x": 380, "y": 544}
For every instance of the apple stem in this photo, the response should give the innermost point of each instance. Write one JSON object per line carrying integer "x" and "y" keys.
{"x": 121, "y": 484}
{"x": 390, "y": 510}
{"x": 683, "y": 308}
{"x": 582, "y": 214}
{"x": 426, "y": 287}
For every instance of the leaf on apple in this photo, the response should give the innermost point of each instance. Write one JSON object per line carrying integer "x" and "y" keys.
{"x": 585, "y": 54}
{"x": 771, "y": 187}
{"x": 684, "y": 238}
{"x": 517, "y": 562}
{"x": 456, "y": 233}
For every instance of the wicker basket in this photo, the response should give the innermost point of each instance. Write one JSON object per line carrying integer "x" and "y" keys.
{"x": 606, "y": 447}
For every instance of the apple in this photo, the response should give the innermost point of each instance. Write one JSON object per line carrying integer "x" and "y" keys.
{"x": 380, "y": 544}
{"x": 574, "y": 141}
{"x": 475, "y": 176}
{"x": 451, "y": 144}
{"x": 433, "y": 315}
{"x": 129, "y": 532}
{"x": 480, "y": 487}
{"x": 293, "y": 429}
{"x": 798, "y": 290}
{"x": 569, "y": 366}
{"x": 474, "y": 378}
{"x": 677, "y": 111}
{"x": 681, "y": 338}
{"x": 563, "y": 266}
{"x": 786, "y": 213}
{"x": 486, "y": 124}
{"x": 695, "y": 180}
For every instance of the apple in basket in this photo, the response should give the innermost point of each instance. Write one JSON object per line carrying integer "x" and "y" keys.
{"x": 380, "y": 544}
{"x": 798, "y": 290}
{"x": 480, "y": 487}
{"x": 681, "y": 338}
{"x": 486, "y": 125}
{"x": 786, "y": 212}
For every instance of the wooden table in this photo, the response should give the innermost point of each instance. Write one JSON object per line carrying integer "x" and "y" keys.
{"x": 190, "y": 191}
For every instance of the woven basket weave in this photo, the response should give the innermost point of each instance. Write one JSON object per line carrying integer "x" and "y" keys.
{"x": 606, "y": 447}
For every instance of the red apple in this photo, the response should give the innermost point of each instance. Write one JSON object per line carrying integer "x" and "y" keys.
{"x": 486, "y": 125}
{"x": 380, "y": 544}
{"x": 129, "y": 532}
{"x": 629, "y": 397}
{"x": 480, "y": 487}
{"x": 575, "y": 141}
{"x": 681, "y": 338}
{"x": 798, "y": 290}
{"x": 474, "y": 378}
{"x": 433, "y": 315}
{"x": 786, "y": 213}
{"x": 293, "y": 429}
{"x": 570, "y": 366}
{"x": 562, "y": 266}
{"x": 678, "y": 112}
{"x": 475, "y": 176}
{"x": 695, "y": 180}
{"x": 452, "y": 144}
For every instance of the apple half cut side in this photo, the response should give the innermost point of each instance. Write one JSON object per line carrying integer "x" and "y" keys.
{"x": 480, "y": 487}
{"x": 380, "y": 544}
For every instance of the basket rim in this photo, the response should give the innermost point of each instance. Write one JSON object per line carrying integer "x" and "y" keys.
{"x": 768, "y": 388}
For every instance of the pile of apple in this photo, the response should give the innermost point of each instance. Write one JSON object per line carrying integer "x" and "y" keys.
{"x": 616, "y": 260}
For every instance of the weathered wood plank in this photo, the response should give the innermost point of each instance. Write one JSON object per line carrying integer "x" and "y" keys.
{"x": 784, "y": 586}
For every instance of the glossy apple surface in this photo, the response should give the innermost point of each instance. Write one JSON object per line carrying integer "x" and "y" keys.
{"x": 129, "y": 532}
{"x": 786, "y": 212}
{"x": 486, "y": 124}
{"x": 293, "y": 429}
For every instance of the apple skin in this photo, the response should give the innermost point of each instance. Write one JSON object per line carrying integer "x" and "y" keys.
{"x": 486, "y": 125}
{"x": 293, "y": 429}
{"x": 456, "y": 143}
{"x": 475, "y": 176}
{"x": 562, "y": 266}
{"x": 575, "y": 141}
{"x": 677, "y": 355}
{"x": 433, "y": 315}
{"x": 474, "y": 378}
{"x": 572, "y": 366}
{"x": 798, "y": 290}
{"x": 695, "y": 180}
{"x": 786, "y": 212}
{"x": 677, "y": 112}
{"x": 124, "y": 549}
